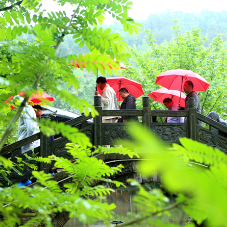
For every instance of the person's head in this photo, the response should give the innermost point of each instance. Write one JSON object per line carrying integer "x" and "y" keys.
{"x": 101, "y": 82}
{"x": 168, "y": 103}
{"x": 38, "y": 110}
{"x": 123, "y": 93}
{"x": 188, "y": 87}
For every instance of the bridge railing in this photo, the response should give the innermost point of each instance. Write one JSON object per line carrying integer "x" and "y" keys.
{"x": 105, "y": 133}
{"x": 213, "y": 133}
{"x": 57, "y": 148}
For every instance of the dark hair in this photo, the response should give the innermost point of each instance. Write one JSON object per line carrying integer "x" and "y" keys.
{"x": 167, "y": 100}
{"x": 123, "y": 89}
{"x": 38, "y": 107}
{"x": 101, "y": 79}
{"x": 190, "y": 83}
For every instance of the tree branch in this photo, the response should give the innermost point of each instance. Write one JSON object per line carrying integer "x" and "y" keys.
{"x": 151, "y": 215}
{"x": 10, "y": 7}
{"x": 65, "y": 30}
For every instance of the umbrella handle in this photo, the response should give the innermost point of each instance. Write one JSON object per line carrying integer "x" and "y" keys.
{"x": 181, "y": 89}
{"x": 96, "y": 88}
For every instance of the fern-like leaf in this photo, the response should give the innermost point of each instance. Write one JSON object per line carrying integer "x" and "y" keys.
{"x": 200, "y": 153}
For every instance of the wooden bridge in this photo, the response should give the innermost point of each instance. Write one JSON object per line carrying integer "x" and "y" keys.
{"x": 105, "y": 133}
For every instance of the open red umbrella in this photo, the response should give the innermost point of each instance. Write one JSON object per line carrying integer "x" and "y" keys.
{"x": 174, "y": 80}
{"x": 160, "y": 94}
{"x": 132, "y": 86}
{"x": 36, "y": 98}
{"x": 81, "y": 63}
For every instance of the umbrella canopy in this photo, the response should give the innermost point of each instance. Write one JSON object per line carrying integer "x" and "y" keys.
{"x": 132, "y": 86}
{"x": 36, "y": 98}
{"x": 160, "y": 94}
{"x": 79, "y": 64}
{"x": 174, "y": 80}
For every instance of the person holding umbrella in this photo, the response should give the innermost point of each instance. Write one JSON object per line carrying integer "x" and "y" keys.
{"x": 188, "y": 89}
{"x": 108, "y": 98}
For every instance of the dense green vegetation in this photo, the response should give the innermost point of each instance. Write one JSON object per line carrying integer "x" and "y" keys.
{"x": 39, "y": 65}
{"x": 196, "y": 42}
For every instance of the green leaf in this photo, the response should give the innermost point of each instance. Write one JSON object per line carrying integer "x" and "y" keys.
{"x": 21, "y": 16}
{"x": 14, "y": 16}
{"x": 2, "y": 33}
{"x": 107, "y": 44}
{"x": 130, "y": 30}
{"x": 113, "y": 46}
{"x": 125, "y": 26}
{"x": 106, "y": 32}
{"x": 8, "y": 33}
{"x": 27, "y": 15}
{"x": 81, "y": 44}
{"x": 8, "y": 17}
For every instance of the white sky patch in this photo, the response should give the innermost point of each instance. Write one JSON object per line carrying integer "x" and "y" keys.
{"x": 141, "y": 9}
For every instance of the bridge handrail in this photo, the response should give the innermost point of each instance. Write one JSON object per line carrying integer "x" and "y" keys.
{"x": 100, "y": 133}
{"x": 159, "y": 113}
{"x": 7, "y": 149}
{"x": 212, "y": 123}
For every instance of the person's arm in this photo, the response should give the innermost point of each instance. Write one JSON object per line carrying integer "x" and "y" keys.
{"x": 105, "y": 98}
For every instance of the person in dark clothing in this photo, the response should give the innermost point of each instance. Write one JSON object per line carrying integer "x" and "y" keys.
{"x": 129, "y": 103}
{"x": 39, "y": 114}
{"x": 214, "y": 116}
{"x": 188, "y": 89}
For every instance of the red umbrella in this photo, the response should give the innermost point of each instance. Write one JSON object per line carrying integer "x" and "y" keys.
{"x": 132, "y": 86}
{"x": 174, "y": 80}
{"x": 160, "y": 94}
{"x": 35, "y": 98}
{"x": 81, "y": 63}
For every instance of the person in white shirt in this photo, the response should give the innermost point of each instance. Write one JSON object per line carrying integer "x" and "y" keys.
{"x": 108, "y": 98}
{"x": 174, "y": 107}
{"x": 27, "y": 125}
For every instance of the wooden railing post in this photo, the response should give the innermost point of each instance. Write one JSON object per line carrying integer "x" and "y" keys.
{"x": 146, "y": 117}
{"x": 98, "y": 122}
{"x": 44, "y": 140}
{"x": 192, "y": 121}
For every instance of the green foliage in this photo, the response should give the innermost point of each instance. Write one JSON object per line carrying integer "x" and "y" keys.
{"x": 186, "y": 51}
{"x": 37, "y": 65}
{"x": 86, "y": 173}
{"x": 119, "y": 150}
{"x": 199, "y": 189}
